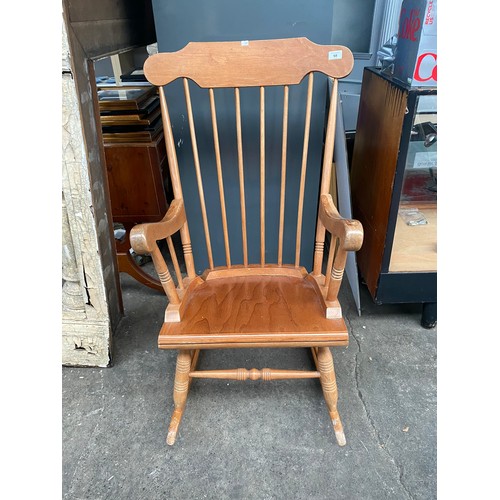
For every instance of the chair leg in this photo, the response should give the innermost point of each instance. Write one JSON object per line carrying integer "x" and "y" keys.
{"x": 329, "y": 385}
{"x": 181, "y": 387}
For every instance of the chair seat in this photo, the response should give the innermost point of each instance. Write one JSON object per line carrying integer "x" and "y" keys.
{"x": 254, "y": 311}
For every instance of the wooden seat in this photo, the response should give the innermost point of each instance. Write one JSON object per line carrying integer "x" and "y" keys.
{"x": 251, "y": 304}
{"x": 272, "y": 311}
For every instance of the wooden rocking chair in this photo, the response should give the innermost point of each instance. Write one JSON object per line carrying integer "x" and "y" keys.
{"x": 251, "y": 304}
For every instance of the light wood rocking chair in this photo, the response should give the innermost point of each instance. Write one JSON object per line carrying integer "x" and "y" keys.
{"x": 251, "y": 304}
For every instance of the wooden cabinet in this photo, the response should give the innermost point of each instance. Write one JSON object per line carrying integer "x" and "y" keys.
{"x": 137, "y": 177}
{"x": 394, "y": 191}
{"x": 138, "y": 185}
{"x": 136, "y": 164}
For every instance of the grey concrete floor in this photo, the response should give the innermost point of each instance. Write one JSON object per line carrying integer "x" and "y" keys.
{"x": 255, "y": 440}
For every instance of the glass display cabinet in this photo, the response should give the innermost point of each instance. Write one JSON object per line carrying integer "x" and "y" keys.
{"x": 394, "y": 191}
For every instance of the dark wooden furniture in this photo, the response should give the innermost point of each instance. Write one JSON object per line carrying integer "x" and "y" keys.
{"x": 251, "y": 304}
{"x": 394, "y": 169}
{"x": 138, "y": 180}
{"x": 135, "y": 154}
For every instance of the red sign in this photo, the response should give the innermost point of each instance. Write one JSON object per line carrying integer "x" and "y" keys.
{"x": 418, "y": 68}
{"x": 415, "y": 61}
{"x": 409, "y": 26}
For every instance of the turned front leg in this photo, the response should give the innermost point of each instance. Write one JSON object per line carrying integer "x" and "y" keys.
{"x": 181, "y": 386}
{"x": 329, "y": 384}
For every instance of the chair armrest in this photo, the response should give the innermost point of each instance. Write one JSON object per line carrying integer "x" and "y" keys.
{"x": 143, "y": 237}
{"x": 349, "y": 231}
{"x": 350, "y": 235}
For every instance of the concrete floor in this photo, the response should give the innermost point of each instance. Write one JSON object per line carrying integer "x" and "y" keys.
{"x": 255, "y": 440}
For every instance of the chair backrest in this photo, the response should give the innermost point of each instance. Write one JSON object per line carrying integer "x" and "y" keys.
{"x": 237, "y": 65}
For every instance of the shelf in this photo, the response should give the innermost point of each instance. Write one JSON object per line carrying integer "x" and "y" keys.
{"x": 415, "y": 247}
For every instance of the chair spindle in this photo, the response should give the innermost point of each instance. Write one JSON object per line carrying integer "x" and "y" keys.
{"x": 305, "y": 150}
{"x": 218, "y": 163}
{"x": 170, "y": 146}
{"x": 336, "y": 274}
{"x": 241, "y": 176}
{"x": 199, "y": 180}
{"x": 331, "y": 254}
{"x": 175, "y": 262}
{"x": 262, "y": 177}
{"x": 326, "y": 173}
{"x": 164, "y": 275}
{"x": 176, "y": 182}
{"x": 283, "y": 173}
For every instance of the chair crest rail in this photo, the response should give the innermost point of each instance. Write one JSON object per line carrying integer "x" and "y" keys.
{"x": 249, "y": 63}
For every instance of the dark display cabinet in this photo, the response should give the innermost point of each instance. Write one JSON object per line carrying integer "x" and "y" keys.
{"x": 394, "y": 191}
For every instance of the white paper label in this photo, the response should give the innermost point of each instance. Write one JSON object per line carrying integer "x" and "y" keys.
{"x": 425, "y": 160}
{"x": 244, "y": 43}
{"x": 334, "y": 54}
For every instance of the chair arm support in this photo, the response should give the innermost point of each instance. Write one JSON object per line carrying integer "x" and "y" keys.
{"x": 143, "y": 237}
{"x": 349, "y": 231}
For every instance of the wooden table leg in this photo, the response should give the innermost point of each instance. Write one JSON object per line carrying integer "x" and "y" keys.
{"x": 127, "y": 264}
